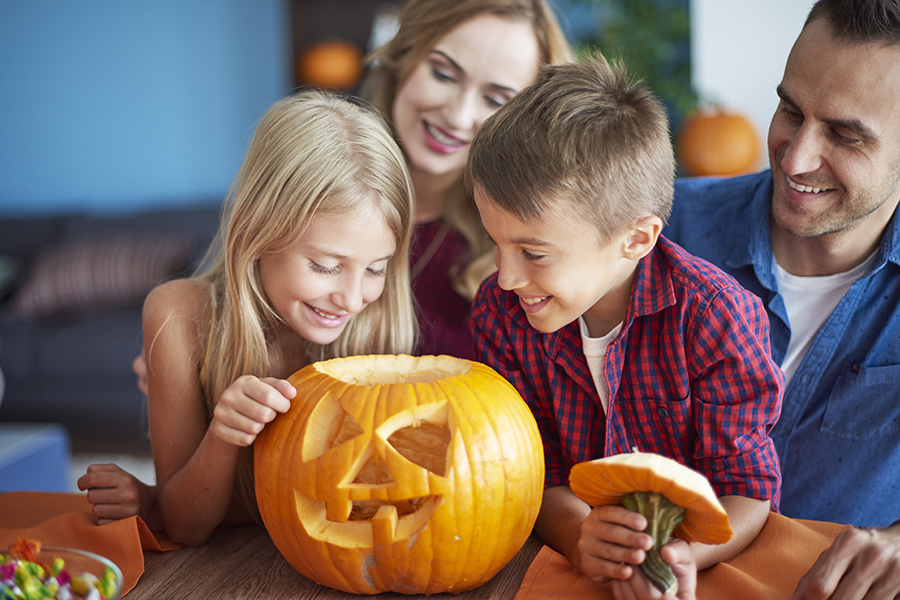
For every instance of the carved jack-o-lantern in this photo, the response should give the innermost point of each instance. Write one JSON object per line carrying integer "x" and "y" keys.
{"x": 404, "y": 474}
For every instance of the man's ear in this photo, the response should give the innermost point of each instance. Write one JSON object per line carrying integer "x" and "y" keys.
{"x": 639, "y": 241}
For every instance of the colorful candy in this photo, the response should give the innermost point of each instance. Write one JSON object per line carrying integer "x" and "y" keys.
{"x": 22, "y": 577}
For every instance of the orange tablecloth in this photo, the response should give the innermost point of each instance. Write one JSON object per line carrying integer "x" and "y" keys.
{"x": 66, "y": 521}
{"x": 768, "y": 569}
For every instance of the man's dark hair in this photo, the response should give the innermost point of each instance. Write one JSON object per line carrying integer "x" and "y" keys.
{"x": 860, "y": 21}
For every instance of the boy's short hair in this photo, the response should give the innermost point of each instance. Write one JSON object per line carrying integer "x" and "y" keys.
{"x": 584, "y": 137}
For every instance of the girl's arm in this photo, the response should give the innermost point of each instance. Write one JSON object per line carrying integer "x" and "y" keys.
{"x": 196, "y": 459}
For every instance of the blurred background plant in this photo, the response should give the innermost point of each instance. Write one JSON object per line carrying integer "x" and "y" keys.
{"x": 652, "y": 37}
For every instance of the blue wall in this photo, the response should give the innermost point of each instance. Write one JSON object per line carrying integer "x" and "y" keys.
{"x": 126, "y": 105}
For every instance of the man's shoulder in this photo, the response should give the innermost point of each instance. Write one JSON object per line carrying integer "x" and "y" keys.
{"x": 717, "y": 199}
{"x": 712, "y": 218}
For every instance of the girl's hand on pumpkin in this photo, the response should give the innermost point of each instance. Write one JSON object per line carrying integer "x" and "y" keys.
{"x": 247, "y": 406}
{"x": 860, "y": 563}
{"x": 611, "y": 541}
{"x": 679, "y": 556}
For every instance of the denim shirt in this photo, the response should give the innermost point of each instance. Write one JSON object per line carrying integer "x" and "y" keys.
{"x": 838, "y": 437}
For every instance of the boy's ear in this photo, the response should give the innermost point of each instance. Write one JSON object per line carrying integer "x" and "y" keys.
{"x": 639, "y": 241}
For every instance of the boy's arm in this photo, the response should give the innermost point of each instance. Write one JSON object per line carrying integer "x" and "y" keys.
{"x": 747, "y": 516}
{"x": 737, "y": 389}
{"x": 737, "y": 392}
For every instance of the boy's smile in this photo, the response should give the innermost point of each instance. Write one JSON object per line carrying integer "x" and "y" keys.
{"x": 558, "y": 268}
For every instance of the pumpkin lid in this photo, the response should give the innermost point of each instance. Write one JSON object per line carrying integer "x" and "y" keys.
{"x": 605, "y": 480}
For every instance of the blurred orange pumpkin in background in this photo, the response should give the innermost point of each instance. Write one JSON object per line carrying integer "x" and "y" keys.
{"x": 333, "y": 64}
{"x": 713, "y": 141}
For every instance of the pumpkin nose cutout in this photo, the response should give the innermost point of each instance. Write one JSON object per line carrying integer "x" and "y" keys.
{"x": 424, "y": 445}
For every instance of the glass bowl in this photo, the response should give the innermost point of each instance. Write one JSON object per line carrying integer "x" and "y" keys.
{"x": 77, "y": 563}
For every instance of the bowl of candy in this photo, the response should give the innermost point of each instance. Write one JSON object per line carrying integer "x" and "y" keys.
{"x": 31, "y": 572}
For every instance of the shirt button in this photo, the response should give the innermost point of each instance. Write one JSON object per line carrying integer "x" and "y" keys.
{"x": 663, "y": 413}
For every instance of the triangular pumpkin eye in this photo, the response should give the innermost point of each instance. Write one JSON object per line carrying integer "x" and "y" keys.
{"x": 424, "y": 444}
{"x": 329, "y": 426}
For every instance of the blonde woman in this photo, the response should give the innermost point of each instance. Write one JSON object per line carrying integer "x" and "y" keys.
{"x": 313, "y": 264}
{"x": 452, "y": 64}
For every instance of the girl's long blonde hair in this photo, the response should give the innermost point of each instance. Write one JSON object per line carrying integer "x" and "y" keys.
{"x": 313, "y": 154}
{"x": 423, "y": 23}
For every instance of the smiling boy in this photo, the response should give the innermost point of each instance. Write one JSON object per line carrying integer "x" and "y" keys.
{"x": 616, "y": 337}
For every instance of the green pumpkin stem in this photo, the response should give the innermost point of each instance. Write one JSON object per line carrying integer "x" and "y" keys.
{"x": 663, "y": 516}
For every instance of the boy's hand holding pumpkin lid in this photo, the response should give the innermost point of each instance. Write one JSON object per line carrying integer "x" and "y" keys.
{"x": 606, "y": 480}
{"x": 675, "y": 500}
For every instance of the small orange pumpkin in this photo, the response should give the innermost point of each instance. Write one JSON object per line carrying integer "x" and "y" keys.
{"x": 415, "y": 475}
{"x": 332, "y": 64}
{"x": 717, "y": 142}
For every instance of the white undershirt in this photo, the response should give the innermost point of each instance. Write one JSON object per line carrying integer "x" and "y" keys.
{"x": 809, "y": 302}
{"x": 595, "y": 353}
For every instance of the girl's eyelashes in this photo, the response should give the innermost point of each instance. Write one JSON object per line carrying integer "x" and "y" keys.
{"x": 323, "y": 270}
{"x": 334, "y": 270}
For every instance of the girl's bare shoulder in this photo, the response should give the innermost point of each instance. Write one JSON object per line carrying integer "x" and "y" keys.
{"x": 184, "y": 303}
{"x": 186, "y": 297}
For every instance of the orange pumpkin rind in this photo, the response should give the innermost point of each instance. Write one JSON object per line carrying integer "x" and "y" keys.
{"x": 605, "y": 480}
{"x": 416, "y": 475}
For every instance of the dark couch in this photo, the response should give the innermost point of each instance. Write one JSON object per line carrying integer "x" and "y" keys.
{"x": 71, "y": 293}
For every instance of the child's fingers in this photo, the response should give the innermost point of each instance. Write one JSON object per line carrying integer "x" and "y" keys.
{"x": 623, "y": 590}
{"x": 638, "y": 587}
{"x": 677, "y": 552}
{"x": 103, "y": 467}
{"x": 242, "y": 435}
{"x": 680, "y": 557}
{"x": 621, "y": 516}
{"x": 99, "y": 478}
{"x": 247, "y": 406}
{"x": 617, "y": 525}
{"x": 608, "y": 545}
{"x": 107, "y": 513}
{"x": 601, "y": 560}
{"x": 268, "y": 392}
{"x": 113, "y": 496}
{"x": 285, "y": 388}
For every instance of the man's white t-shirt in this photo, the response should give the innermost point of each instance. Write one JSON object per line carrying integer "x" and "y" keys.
{"x": 809, "y": 302}
{"x": 595, "y": 353}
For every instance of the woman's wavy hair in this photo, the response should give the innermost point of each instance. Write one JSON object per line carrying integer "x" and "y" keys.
{"x": 313, "y": 154}
{"x": 423, "y": 23}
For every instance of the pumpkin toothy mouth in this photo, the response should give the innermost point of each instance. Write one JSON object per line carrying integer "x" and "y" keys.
{"x": 360, "y": 531}
{"x": 363, "y": 510}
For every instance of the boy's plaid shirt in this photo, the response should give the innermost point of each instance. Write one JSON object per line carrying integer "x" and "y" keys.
{"x": 690, "y": 376}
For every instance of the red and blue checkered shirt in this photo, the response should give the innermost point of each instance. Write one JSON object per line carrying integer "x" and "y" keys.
{"x": 690, "y": 376}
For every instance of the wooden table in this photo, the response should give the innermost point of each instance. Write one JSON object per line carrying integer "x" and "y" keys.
{"x": 242, "y": 563}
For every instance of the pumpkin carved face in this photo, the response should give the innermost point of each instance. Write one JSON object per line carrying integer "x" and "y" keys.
{"x": 395, "y": 473}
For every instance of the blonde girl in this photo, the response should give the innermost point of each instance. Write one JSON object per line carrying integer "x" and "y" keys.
{"x": 312, "y": 263}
